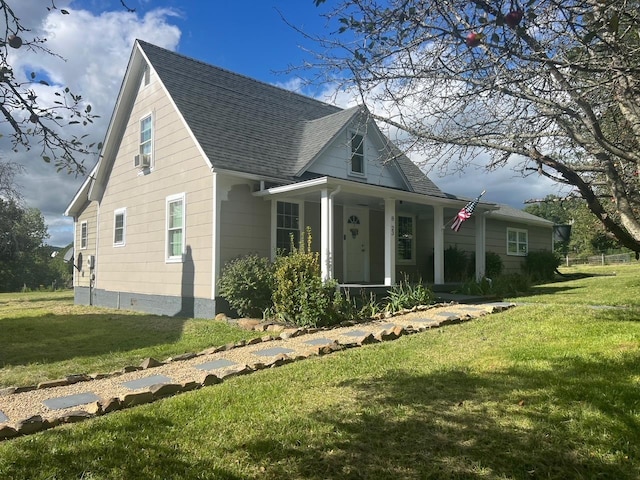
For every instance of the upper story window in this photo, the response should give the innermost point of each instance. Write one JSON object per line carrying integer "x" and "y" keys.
{"x": 119, "y": 226}
{"x": 357, "y": 154}
{"x": 175, "y": 227}
{"x": 287, "y": 225}
{"x": 146, "y": 79}
{"x": 517, "y": 242}
{"x": 84, "y": 234}
{"x": 405, "y": 250}
{"x": 146, "y": 139}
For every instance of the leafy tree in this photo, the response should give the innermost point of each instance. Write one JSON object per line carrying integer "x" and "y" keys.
{"x": 24, "y": 260}
{"x": 587, "y": 234}
{"x": 8, "y": 187}
{"x": 34, "y": 123}
{"x": 544, "y": 86}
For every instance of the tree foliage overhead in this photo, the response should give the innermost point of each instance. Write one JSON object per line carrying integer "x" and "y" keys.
{"x": 549, "y": 87}
{"x": 32, "y": 124}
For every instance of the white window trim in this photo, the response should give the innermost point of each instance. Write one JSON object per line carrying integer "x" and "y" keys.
{"x": 84, "y": 239}
{"x": 517, "y": 231}
{"x": 412, "y": 261}
{"x": 123, "y": 212}
{"x": 350, "y": 171}
{"x": 169, "y": 200}
{"x": 153, "y": 138}
{"x": 274, "y": 222}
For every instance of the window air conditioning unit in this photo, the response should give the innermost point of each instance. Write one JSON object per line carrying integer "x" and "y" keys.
{"x": 142, "y": 161}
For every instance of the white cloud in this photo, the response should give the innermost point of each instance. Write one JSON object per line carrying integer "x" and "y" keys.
{"x": 95, "y": 49}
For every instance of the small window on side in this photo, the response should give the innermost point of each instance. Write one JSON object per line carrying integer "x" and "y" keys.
{"x": 517, "y": 242}
{"x": 119, "y": 227}
{"x": 175, "y": 228}
{"x": 84, "y": 234}
{"x": 146, "y": 138}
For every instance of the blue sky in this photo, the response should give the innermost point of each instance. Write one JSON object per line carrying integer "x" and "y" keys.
{"x": 249, "y": 37}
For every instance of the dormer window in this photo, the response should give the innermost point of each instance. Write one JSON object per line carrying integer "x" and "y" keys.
{"x": 357, "y": 154}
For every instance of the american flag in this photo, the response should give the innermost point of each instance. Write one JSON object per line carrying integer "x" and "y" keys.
{"x": 465, "y": 213}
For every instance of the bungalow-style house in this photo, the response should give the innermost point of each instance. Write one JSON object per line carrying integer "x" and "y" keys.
{"x": 201, "y": 165}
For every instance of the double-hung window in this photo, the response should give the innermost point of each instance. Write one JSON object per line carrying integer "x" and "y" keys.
{"x": 146, "y": 139}
{"x": 119, "y": 226}
{"x": 175, "y": 227}
{"x": 287, "y": 226}
{"x": 357, "y": 154}
{"x": 517, "y": 241}
{"x": 405, "y": 250}
{"x": 84, "y": 234}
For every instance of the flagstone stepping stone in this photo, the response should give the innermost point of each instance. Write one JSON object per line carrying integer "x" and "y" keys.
{"x": 422, "y": 320}
{"x": 216, "y": 364}
{"x": 319, "y": 341}
{"x": 3, "y": 417}
{"x": 387, "y": 326}
{"x": 356, "y": 333}
{"x": 499, "y": 304}
{"x": 449, "y": 315}
{"x": 270, "y": 352}
{"x": 146, "y": 382}
{"x": 58, "y": 403}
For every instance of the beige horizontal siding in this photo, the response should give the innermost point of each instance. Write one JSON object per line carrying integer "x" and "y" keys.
{"x": 139, "y": 266}
{"x": 89, "y": 214}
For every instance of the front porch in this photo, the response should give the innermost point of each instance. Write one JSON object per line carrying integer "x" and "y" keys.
{"x": 370, "y": 235}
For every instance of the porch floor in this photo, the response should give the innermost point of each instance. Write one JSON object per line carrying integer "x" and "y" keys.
{"x": 443, "y": 292}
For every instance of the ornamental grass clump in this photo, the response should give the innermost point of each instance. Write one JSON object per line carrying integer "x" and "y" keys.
{"x": 406, "y": 295}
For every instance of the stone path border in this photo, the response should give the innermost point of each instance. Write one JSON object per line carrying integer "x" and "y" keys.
{"x": 80, "y": 397}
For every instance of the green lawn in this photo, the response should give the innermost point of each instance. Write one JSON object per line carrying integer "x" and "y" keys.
{"x": 550, "y": 389}
{"x": 46, "y": 337}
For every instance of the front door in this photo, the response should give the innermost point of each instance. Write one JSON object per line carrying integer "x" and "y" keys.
{"x": 356, "y": 248}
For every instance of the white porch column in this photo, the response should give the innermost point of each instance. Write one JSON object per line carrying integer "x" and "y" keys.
{"x": 389, "y": 241}
{"x": 438, "y": 244}
{"x": 326, "y": 227}
{"x": 481, "y": 267}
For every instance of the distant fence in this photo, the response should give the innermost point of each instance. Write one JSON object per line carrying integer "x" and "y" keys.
{"x": 598, "y": 259}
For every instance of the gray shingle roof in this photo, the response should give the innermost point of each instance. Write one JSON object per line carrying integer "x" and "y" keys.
{"x": 315, "y": 134}
{"x": 507, "y": 212}
{"x": 249, "y": 126}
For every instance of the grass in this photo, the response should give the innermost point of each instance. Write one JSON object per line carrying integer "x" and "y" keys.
{"x": 534, "y": 392}
{"x": 613, "y": 285}
{"x": 46, "y": 337}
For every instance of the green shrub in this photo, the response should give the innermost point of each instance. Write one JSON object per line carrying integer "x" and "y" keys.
{"x": 509, "y": 285}
{"x": 300, "y": 296}
{"x": 541, "y": 266}
{"x": 493, "y": 265}
{"x": 406, "y": 295}
{"x": 455, "y": 265}
{"x": 473, "y": 287}
{"x": 247, "y": 284}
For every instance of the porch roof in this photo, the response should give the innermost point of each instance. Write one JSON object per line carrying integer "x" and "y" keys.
{"x": 357, "y": 191}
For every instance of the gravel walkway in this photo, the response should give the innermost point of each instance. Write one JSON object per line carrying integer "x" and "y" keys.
{"x": 47, "y": 407}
